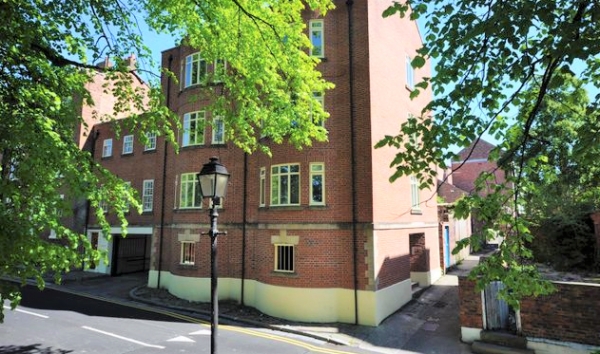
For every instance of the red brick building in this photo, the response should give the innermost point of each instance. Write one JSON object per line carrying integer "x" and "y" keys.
{"x": 469, "y": 165}
{"x": 92, "y": 134}
{"x": 317, "y": 235}
{"x": 451, "y": 229}
{"x": 471, "y": 162}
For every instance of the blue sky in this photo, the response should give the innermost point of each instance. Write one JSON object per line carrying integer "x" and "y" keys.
{"x": 157, "y": 43}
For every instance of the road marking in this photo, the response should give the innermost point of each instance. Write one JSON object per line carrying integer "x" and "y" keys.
{"x": 27, "y": 312}
{"x": 255, "y": 333}
{"x": 278, "y": 338}
{"x": 123, "y": 338}
{"x": 297, "y": 343}
{"x": 181, "y": 339}
{"x": 202, "y": 332}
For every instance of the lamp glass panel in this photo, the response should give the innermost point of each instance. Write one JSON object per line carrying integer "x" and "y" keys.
{"x": 207, "y": 185}
{"x": 221, "y": 186}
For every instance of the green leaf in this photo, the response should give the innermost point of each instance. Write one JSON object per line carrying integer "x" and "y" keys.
{"x": 49, "y": 51}
{"x": 418, "y": 62}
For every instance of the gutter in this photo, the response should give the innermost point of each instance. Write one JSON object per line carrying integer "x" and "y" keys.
{"x": 95, "y": 133}
{"x": 244, "y": 221}
{"x": 349, "y": 4}
{"x": 164, "y": 182}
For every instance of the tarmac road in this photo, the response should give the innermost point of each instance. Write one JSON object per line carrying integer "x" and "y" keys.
{"x": 53, "y": 322}
{"x": 429, "y": 324}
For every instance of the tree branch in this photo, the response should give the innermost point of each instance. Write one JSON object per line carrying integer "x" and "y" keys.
{"x": 61, "y": 61}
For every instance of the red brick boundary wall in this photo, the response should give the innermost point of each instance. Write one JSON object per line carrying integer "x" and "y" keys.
{"x": 471, "y": 309}
{"x": 571, "y": 314}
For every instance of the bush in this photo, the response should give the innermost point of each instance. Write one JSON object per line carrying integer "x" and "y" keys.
{"x": 566, "y": 244}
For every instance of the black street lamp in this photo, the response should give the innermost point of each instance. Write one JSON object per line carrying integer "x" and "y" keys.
{"x": 213, "y": 180}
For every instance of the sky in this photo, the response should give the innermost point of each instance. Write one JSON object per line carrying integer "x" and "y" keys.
{"x": 157, "y": 43}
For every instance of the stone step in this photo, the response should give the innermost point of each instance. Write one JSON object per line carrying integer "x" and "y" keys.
{"x": 504, "y": 339}
{"x": 488, "y": 348}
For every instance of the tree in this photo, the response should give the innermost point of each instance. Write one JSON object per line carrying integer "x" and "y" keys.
{"x": 559, "y": 173}
{"x": 496, "y": 64}
{"x": 48, "y": 50}
{"x": 269, "y": 90}
{"x": 560, "y": 185}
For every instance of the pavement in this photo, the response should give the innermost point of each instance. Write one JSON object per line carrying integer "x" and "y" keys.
{"x": 428, "y": 324}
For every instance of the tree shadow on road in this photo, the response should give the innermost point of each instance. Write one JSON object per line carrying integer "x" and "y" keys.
{"x": 31, "y": 349}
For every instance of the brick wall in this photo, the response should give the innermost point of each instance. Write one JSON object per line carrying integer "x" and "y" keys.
{"x": 101, "y": 91}
{"x": 441, "y": 227}
{"x": 134, "y": 168}
{"x": 324, "y": 252}
{"x": 392, "y": 261}
{"x": 477, "y": 163}
{"x": 419, "y": 254}
{"x": 471, "y": 314}
{"x": 570, "y": 314}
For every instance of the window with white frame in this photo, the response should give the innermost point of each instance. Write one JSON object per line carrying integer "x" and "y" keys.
{"x": 151, "y": 143}
{"x": 193, "y": 128}
{"x": 218, "y": 130}
{"x": 59, "y": 213}
{"x": 317, "y": 38}
{"x": 262, "y": 185}
{"x": 414, "y": 138}
{"x": 107, "y": 148}
{"x": 129, "y": 192}
{"x": 320, "y": 98}
{"x": 189, "y": 196}
{"x": 410, "y": 73}
{"x": 103, "y": 205}
{"x": 147, "y": 195}
{"x": 317, "y": 183}
{"x": 285, "y": 184}
{"x": 195, "y": 70}
{"x": 262, "y": 128}
{"x": 188, "y": 253}
{"x": 127, "y": 144}
{"x": 414, "y": 193}
{"x": 284, "y": 258}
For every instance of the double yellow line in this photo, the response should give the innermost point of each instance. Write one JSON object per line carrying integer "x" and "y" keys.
{"x": 278, "y": 338}
{"x": 255, "y": 333}
{"x": 251, "y": 332}
{"x": 261, "y": 334}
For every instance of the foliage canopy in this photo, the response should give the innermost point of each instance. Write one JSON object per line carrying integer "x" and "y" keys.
{"x": 48, "y": 51}
{"x": 498, "y": 68}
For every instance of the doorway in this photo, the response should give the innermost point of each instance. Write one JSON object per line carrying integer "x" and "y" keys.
{"x": 131, "y": 254}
